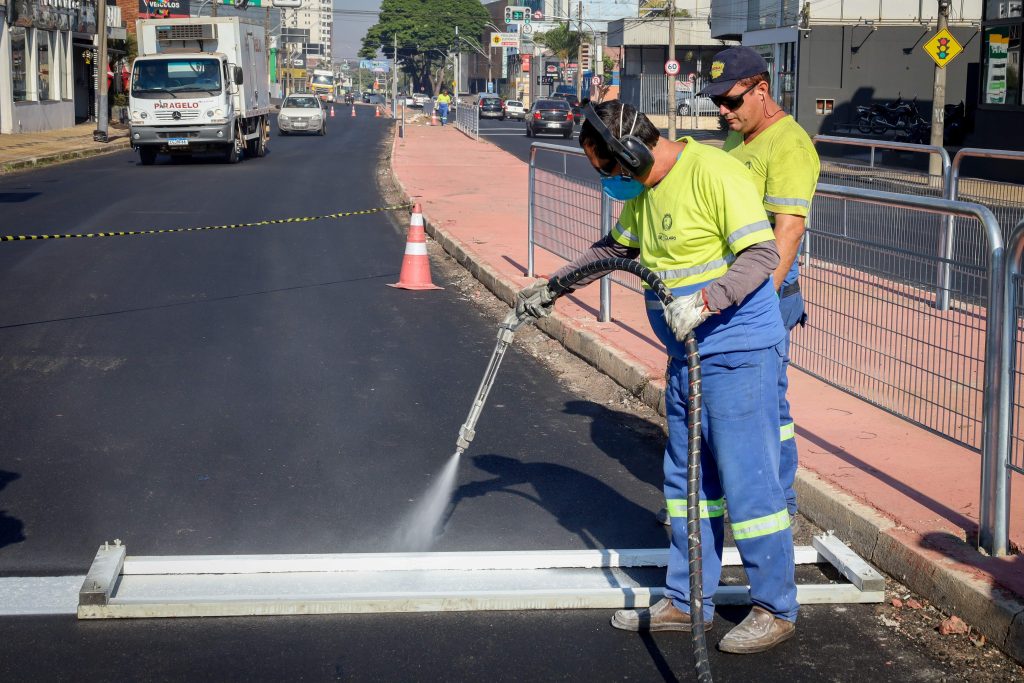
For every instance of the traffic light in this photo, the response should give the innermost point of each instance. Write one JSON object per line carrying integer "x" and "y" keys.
{"x": 517, "y": 15}
{"x": 585, "y": 56}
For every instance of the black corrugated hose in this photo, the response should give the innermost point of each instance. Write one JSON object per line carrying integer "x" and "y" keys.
{"x": 562, "y": 285}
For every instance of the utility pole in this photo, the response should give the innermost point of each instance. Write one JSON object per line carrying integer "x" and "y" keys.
{"x": 100, "y": 134}
{"x": 672, "y": 78}
{"x": 213, "y": 7}
{"x": 939, "y": 99}
{"x": 579, "y": 51}
{"x": 394, "y": 81}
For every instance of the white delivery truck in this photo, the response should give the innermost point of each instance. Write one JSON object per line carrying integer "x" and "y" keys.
{"x": 200, "y": 85}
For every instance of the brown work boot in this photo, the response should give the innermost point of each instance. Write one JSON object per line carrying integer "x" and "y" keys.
{"x": 661, "y": 616}
{"x": 760, "y": 631}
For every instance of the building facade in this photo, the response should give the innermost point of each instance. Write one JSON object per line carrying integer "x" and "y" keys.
{"x": 828, "y": 58}
{"x": 47, "y": 63}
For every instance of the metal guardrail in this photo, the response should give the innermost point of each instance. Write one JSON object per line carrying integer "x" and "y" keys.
{"x": 901, "y": 180}
{"x": 1005, "y": 200}
{"x": 879, "y": 334}
{"x": 868, "y": 297}
{"x": 467, "y": 119}
{"x": 1008, "y": 405}
{"x": 566, "y": 215}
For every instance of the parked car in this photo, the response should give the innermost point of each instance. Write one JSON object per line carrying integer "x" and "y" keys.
{"x": 550, "y": 117}
{"x": 491, "y": 107}
{"x": 371, "y": 98}
{"x": 685, "y": 105}
{"x": 573, "y": 101}
{"x": 514, "y": 109}
{"x": 302, "y": 114}
{"x": 420, "y": 99}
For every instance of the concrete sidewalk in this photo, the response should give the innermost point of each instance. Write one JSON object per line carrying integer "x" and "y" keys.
{"x": 26, "y": 150}
{"x": 905, "y": 499}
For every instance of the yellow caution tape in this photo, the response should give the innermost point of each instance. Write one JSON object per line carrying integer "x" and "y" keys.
{"x": 256, "y": 224}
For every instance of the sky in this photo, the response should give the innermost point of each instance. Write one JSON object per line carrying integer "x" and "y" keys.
{"x": 348, "y": 30}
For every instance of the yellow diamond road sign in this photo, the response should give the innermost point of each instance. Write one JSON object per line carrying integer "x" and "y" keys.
{"x": 943, "y": 48}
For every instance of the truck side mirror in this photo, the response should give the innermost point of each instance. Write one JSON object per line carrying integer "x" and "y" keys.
{"x": 238, "y": 75}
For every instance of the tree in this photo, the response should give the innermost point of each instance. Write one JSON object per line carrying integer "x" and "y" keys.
{"x": 425, "y": 32}
{"x": 562, "y": 41}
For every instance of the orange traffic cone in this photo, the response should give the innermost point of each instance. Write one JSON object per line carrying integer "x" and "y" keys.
{"x": 433, "y": 118}
{"x": 377, "y": 115}
{"x": 415, "y": 264}
{"x": 332, "y": 111}
{"x": 353, "y": 110}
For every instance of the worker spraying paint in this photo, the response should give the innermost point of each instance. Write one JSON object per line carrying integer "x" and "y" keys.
{"x": 525, "y": 311}
{"x": 692, "y": 215}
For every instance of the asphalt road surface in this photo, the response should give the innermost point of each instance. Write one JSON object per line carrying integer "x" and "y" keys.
{"x": 261, "y": 390}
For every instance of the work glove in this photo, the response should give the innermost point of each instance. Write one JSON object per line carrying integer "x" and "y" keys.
{"x": 686, "y": 313}
{"x": 535, "y": 300}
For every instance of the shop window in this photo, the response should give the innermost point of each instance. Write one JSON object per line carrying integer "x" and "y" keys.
{"x": 19, "y": 63}
{"x": 43, "y": 63}
{"x": 1002, "y": 65}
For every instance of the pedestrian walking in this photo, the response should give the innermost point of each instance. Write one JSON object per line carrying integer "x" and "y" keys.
{"x": 785, "y": 166}
{"x": 443, "y": 102}
{"x": 693, "y": 215}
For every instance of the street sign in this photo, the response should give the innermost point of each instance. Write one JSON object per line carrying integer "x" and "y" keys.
{"x": 526, "y": 29}
{"x": 943, "y": 48}
{"x": 504, "y": 40}
{"x": 595, "y": 80}
{"x": 287, "y": 3}
{"x": 538, "y": 15}
{"x": 671, "y": 67}
{"x": 547, "y": 80}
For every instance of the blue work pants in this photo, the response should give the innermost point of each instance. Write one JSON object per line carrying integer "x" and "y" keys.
{"x": 792, "y": 309}
{"x": 739, "y": 464}
{"x": 442, "y": 109}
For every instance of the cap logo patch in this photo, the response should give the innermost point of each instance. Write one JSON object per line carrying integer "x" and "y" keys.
{"x": 716, "y": 69}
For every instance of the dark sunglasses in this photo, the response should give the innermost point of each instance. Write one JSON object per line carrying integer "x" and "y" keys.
{"x": 734, "y": 102}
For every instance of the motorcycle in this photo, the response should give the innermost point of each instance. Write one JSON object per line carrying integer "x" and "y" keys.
{"x": 904, "y": 118}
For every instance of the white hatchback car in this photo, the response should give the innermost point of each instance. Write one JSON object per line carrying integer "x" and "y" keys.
{"x": 302, "y": 114}
{"x": 514, "y": 109}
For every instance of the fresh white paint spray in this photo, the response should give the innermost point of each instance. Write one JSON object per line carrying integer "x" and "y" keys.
{"x": 424, "y": 523}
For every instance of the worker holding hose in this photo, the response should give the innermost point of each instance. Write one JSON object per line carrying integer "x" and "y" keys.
{"x": 693, "y": 215}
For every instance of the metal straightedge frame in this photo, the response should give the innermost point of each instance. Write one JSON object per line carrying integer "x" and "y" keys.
{"x": 119, "y": 586}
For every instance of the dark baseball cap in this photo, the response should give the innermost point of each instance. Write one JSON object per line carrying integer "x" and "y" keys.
{"x": 730, "y": 66}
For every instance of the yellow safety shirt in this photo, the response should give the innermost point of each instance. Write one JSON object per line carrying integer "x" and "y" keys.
{"x": 785, "y": 168}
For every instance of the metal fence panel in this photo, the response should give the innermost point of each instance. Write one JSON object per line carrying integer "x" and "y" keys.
{"x": 467, "y": 119}
{"x": 1016, "y": 446}
{"x": 874, "y": 330}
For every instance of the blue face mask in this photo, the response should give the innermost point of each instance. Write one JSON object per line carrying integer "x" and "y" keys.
{"x": 622, "y": 188}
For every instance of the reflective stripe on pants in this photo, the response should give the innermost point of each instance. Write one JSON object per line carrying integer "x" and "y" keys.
{"x": 740, "y": 463}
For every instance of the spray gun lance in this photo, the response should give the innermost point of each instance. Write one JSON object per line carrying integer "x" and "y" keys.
{"x": 506, "y": 331}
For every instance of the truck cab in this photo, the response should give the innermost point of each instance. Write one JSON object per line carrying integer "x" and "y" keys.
{"x": 196, "y": 86}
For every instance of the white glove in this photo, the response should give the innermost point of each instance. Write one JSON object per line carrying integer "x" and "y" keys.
{"x": 686, "y": 313}
{"x": 535, "y": 300}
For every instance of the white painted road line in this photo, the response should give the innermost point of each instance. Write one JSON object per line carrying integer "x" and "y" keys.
{"x": 39, "y": 595}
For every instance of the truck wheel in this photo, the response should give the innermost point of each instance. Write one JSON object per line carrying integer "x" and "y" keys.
{"x": 234, "y": 151}
{"x": 147, "y": 155}
{"x": 264, "y": 139}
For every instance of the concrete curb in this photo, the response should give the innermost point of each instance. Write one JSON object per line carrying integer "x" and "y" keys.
{"x": 60, "y": 157}
{"x": 996, "y": 613}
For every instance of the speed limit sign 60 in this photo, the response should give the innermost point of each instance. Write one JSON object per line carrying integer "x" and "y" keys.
{"x": 671, "y": 67}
